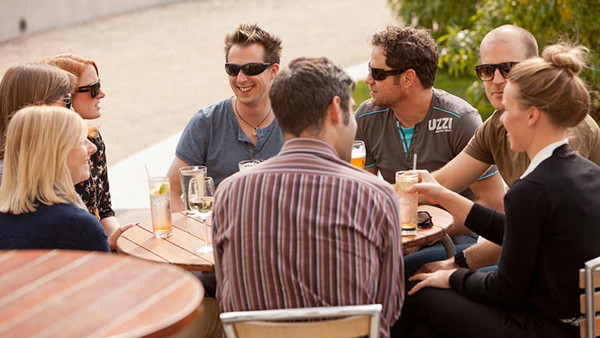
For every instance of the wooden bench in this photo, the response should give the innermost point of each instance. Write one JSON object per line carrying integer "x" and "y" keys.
{"x": 590, "y": 300}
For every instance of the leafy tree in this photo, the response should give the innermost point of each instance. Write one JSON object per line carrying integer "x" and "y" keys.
{"x": 460, "y": 25}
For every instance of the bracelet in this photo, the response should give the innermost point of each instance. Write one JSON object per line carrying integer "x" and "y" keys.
{"x": 461, "y": 259}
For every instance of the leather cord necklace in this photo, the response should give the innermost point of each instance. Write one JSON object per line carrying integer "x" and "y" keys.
{"x": 254, "y": 129}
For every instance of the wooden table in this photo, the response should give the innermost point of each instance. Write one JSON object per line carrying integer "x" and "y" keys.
{"x": 179, "y": 249}
{"x": 442, "y": 222}
{"x": 189, "y": 234}
{"x": 60, "y": 293}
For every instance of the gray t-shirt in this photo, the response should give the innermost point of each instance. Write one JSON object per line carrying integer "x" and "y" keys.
{"x": 214, "y": 138}
{"x": 1, "y": 169}
{"x": 438, "y": 138}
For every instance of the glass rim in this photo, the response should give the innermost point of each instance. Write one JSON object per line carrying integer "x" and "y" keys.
{"x": 193, "y": 168}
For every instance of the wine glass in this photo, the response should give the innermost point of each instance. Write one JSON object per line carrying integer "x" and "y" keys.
{"x": 201, "y": 193}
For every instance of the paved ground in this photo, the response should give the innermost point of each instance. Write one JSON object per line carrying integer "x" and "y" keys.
{"x": 158, "y": 66}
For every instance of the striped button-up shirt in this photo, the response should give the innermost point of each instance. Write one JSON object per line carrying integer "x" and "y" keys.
{"x": 307, "y": 229}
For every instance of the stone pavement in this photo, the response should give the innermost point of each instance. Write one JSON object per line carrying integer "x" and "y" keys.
{"x": 159, "y": 65}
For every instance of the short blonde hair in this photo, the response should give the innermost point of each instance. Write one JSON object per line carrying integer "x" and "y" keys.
{"x": 551, "y": 83}
{"x": 38, "y": 142}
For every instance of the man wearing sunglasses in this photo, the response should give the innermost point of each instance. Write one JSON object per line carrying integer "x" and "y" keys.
{"x": 238, "y": 128}
{"x": 500, "y": 49}
{"x": 306, "y": 228}
{"x": 407, "y": 117}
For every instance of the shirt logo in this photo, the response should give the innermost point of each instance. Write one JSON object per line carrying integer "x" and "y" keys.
{"x": 441, "y": 125}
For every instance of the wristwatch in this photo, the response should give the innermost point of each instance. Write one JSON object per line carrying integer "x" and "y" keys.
{"x": 461, "y": 260}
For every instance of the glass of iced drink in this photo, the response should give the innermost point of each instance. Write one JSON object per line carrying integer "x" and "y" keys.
{"x": 358, "y": 154}
{"x": 247, "y": 164}
{"x": 160, "y": 206}
{"x": 408, "y": 202}
{"x": 185, "y": 175}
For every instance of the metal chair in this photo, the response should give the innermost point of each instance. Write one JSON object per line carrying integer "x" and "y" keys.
{"x": 589, "y": 278}
{"x": 337, "y": 321}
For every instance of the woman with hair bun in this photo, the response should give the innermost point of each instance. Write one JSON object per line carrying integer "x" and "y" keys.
{"x": 549, "y": 229}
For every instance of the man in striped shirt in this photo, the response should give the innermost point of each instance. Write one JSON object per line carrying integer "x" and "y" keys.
{"x": 306, "y": 228}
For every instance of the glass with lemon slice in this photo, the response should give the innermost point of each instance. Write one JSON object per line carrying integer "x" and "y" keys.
{"x": 160, "y": 206}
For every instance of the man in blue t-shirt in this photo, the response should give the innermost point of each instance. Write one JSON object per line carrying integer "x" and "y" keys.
{"x": 238, "y": 128}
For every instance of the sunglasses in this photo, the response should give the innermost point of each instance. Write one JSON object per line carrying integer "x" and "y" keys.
{"x": 94, "y": 89}
{"x": 424, "y": 219}
{"x": 486, "y": 72}
{"x": 249, "y": 69}
{"x": 379, "y": 74}
{"x": 67, "y": 101}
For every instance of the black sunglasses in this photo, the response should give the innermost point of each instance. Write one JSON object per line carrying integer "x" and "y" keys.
{"x": 250, "y": 69}
{"x": 424, "y": 219}
{"x": 67, "y": 101}
{"x": 486, "y": 72}
{"x": 94, "y": 89}
{"x": 379, "y": 74}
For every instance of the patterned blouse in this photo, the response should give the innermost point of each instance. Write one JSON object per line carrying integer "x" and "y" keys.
{"x": 95, "y": 191}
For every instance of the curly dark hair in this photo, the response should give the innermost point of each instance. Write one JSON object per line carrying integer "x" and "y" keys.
{"x": 247, "y": 34}
{"x": 409, "y": 48}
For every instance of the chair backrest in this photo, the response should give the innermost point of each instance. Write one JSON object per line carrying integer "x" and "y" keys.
{"x": 589, "y": 279}
{"x": 336, "y": 321}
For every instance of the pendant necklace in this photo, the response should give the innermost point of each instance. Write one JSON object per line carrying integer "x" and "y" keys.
{"x": 254, "y": 129}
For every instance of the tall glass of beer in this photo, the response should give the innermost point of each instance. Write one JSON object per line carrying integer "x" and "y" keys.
{"x": 358, "y": 154}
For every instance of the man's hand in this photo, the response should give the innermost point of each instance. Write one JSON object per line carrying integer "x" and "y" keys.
{"x": 447, "y": 264}
{"x": 439, "y": 279}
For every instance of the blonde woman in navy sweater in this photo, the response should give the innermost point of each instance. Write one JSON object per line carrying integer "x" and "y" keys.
{"x": 549, "y": 230}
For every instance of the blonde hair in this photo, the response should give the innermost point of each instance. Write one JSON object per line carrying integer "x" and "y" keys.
{"x": 551, "y": 83}
{"x": 38, "y": 142}
{"x": 31, "y": 84}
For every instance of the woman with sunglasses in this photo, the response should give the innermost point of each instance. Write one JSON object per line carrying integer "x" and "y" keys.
{"x": 549, "y": 230}
{"x": 86, "y": 102}
{"x": 47, "y": 152}
{"x": 31, "y": 84}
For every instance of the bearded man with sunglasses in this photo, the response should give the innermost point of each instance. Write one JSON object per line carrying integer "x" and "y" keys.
{"x": 406, "y": 116}
{"x": 501, "y": 48}
{"x": 238, "y": 128}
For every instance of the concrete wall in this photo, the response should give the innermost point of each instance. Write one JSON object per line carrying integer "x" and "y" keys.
{"x": 22, "y": 17}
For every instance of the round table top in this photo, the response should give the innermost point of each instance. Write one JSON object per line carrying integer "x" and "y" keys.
{"x": 179, "y": 249}
{"x": 442, "y": 222}
{"x": 83, "y": 293}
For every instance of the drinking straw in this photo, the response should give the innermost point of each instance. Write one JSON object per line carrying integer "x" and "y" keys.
{"x": 147, "y": 171}
{"x": 415, "y": 162}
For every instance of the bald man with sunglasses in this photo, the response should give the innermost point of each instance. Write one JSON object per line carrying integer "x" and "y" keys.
{"x": 407, "y": 117}
{"x": 241, "y": 127}
{"x": 500, "y": 49}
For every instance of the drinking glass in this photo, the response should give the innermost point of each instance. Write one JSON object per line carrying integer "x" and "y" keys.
{"x": 408, "y": 202}
{"x": 358, "y": 154}
{"x": 185, "y": 174}
{"x": 247, "y": 164}
{"x": 160, "y": 206}
{"x": 201, "y": 196}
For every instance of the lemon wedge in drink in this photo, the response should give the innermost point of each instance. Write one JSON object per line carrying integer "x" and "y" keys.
{"x": 164, "y": 188}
